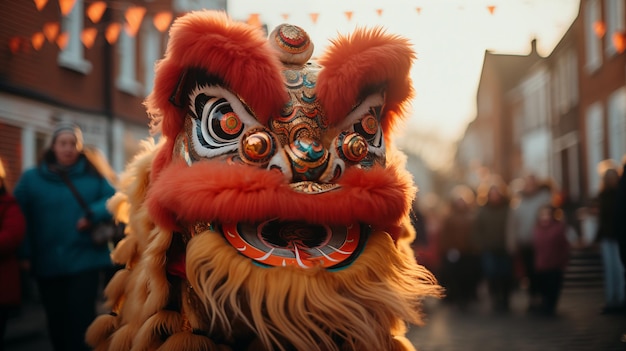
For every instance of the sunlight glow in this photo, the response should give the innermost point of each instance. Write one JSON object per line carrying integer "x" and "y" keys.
{"x": 450, "y": 38}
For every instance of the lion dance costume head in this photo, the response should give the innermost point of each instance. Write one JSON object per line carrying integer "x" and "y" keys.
{"x": 274, "y": 212}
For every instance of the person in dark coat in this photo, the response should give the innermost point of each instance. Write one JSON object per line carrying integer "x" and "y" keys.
{"x": 620, "y": 218}
{"x": 460, "y": 267}
{"x": 58, "y": 248}
{"x": 608, "y": 240}
{"x": 490, "y": 238}
{"x": 12, "y": 230}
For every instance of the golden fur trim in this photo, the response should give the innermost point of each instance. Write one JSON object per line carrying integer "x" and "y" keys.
{"x": 156, "y": 329}
{"x": 115, "y": 289}
{"x": 101, "y": 329}
{"x": 122, "y": 339}
{"x": 362, "y": 303}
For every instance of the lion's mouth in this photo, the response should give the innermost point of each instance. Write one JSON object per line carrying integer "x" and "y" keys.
{"x": 298, "y": 243}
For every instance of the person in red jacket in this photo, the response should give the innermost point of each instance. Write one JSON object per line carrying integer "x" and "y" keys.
{"x": 12, "y": 229}
{"x": 551, "y": 256}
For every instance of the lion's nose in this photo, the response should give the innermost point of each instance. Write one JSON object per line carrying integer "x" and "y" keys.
{"x": 308, "y": 158}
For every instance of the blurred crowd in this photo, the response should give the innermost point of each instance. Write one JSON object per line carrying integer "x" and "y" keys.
{"x": 502, "y": 238}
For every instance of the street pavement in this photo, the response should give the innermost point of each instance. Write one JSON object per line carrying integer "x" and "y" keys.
{"x": 578, "y": 326}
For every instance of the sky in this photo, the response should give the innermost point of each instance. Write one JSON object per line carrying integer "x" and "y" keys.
{"x": 450, "y": 38}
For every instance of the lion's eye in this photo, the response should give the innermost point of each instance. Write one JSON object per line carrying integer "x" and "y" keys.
{"x": 369, "y": 128}
{"x": 219, "y": 124}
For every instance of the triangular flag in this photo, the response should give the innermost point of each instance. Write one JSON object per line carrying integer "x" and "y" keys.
{"x": 314, "y": 17}
{"x": 112, "y": 32}
{"x": 599, "y": 28}
{"x": 379, "y": 12}
{"x": 40, "y": 4}
{"x": 134, "y": 16}
{"x": 162, "y": 20}
{"x": 419, "y": 10}
{"x": 62, "y": 40}
{"x": 619, "y": 41}
{"x": 51, "y": 30}
{"x": 348, "y": 15}
{"x": 14, "y": 44}
{"x": 66, "y": 6}
{"x": 254, "y": 20}
{"x": 491, "y": 9}
{"x": 37, "y": 40}
{"x": 96, "y": 10}
{"x": 88, "y": 37}
{"x": 285, "y": 16}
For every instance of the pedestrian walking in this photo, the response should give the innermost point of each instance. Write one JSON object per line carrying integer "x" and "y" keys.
{"x": 489, "y": 237}
{"x": 520, "y": 225}
{"x": 12, "y": 230}
{"x": 460, "y": 265}
{"x": 607, "y": 239}
{"x": 58, "y": 248}
{"x": 551, "y": 256}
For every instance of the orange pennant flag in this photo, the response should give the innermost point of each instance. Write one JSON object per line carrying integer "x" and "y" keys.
{"x": 14, "y": 44}
{"x": 62, "y": 40}
{"x": 51, "y": 30}
{"x": 253, "y": 20}
{"x": 491, "y": 9}
{"x": 599, "y": 28}
{"x": 419, "y": 10}
{"x": 88, "y": 37}
{"x": 314, "y": 17}
{"x": 379, "y": 12}
{"x": 348, "y": 15}
{"x": 66, "y": 6}
{"x": 40, "y": 4}
{"x": 134, "y": 16}
{"x": 37, "y": 40}
{"x": 112, "y": 32}
{"x": 162, "y": 20}
{"x": 96, "y": 10}
{"x": 285, "y": 16}
{"x": 619, "y": 41}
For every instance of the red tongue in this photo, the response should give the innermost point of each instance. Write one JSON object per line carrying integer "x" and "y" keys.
{"x": 175, "y": 264}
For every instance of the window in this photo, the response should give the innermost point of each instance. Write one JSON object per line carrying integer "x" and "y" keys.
{"x": 151, "y": 53}
{"x": 592, "y": 43}
{"x": 617, "y": 125}
{"x": 566, "y": 82}
{"x": 614, "y": 15}
{"x": 127, "y": 76}
{"x": 72, "y": 55}
{"x": 595, "y": 137}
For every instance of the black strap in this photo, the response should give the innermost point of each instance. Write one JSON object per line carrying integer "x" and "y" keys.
{"x": 80, "y": 199}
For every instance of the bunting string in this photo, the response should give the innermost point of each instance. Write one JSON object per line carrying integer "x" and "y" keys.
{"x": 133, "y": 17}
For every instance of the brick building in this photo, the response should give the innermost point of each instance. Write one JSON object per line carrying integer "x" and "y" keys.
{"x": 93, "y": 70}
{"x": 557, "y": 116}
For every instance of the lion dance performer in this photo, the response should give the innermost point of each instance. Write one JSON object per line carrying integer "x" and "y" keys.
{"x": 273, "y": 214}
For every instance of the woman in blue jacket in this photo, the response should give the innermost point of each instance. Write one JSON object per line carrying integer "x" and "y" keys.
{"x": 58, "y": 249}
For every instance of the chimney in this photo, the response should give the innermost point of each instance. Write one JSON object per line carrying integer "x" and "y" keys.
{"x": 533, "y": 47}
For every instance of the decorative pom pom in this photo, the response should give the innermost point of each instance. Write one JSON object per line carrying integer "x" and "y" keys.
{"x": 101, "y": 329}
